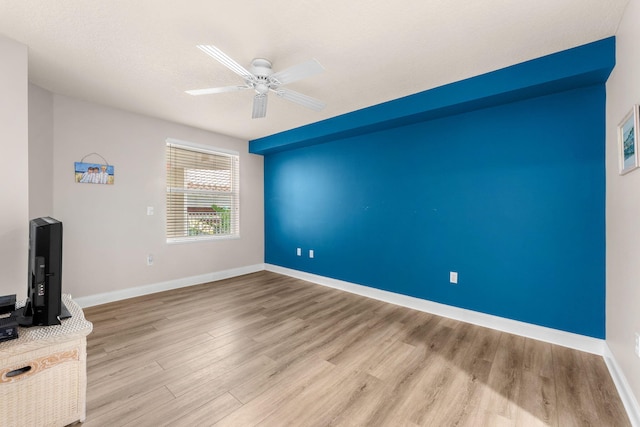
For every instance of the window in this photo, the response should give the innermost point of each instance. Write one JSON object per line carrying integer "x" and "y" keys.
{"x": 203, "y": 192}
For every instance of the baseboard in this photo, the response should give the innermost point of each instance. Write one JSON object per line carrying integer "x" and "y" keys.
{"x": 554, "y": 336}
{"x": 624, "y": 389}
{"x": 137, "y": 291}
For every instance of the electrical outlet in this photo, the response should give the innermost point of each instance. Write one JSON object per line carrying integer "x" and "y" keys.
{"x": 453, "y": 277}
{"x": 149, "y": 259}
{"x": 149, "y": 210}
{"x": 311, "y": 253}
{"x": 637, "y": 344}
{"x": 299, "y": 251}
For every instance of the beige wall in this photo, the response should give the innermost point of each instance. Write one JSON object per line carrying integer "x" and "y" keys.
{"x": 40, "y": 152}
{"x": 14, "y": 176}
{"x": 107, "y": 233}
{"x": 623, "y": 206}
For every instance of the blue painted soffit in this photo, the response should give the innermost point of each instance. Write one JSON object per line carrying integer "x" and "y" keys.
{"x": 569, "y": 69}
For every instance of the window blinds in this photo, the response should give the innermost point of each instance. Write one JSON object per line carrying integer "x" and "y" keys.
{"x": 202, "y": 193}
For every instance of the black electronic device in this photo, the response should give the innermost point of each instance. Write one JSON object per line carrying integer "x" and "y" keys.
{"x": 8, "y": 329}
{"x": 44, "y": 292}
{"x": 7, "y": 303}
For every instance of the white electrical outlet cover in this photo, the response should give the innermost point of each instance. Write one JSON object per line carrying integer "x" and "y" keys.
{"x": 453, "y": 277}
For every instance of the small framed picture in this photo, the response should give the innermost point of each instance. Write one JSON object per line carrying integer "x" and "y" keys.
{"x": 627, "y": 143}
{"x": 93, "y": 173}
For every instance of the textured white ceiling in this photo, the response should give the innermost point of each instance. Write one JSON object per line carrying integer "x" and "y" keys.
{"x": 141, "y": 55}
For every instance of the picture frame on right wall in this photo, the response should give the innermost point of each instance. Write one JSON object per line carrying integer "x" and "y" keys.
{"x": 627, "y": 141}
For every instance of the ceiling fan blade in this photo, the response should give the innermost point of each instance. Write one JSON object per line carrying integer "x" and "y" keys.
{"x": 297, "y": 72}
{"x": 259, "y": 106}
{"x": 212, "y": 90}
{"x": 299, "y": 98}
{"x": 225, "y": 60}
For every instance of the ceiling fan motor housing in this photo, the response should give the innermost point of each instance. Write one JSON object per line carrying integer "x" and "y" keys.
{"x": 261, "y": 69}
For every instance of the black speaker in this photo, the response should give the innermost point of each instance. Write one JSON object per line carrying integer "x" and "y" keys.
{"x": 44, "y": 292}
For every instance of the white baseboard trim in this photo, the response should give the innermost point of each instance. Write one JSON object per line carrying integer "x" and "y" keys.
{"x": 137, "y": 291}
{"x": 624, "y": 389}
{"x": 541, "y": 333}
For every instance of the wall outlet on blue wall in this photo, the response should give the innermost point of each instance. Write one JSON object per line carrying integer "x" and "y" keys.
{"x": 310, "y": 253}
{"x": 453, "y": 277}
{"x": 299, "y": 251}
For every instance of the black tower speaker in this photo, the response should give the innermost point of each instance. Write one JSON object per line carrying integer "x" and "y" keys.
{"x": 44, "y": 304}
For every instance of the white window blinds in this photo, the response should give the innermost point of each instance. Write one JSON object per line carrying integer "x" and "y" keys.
{"x": 202, "y": 193}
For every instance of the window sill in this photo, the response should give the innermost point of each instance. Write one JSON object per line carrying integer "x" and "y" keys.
{"x": 180, "y": 240}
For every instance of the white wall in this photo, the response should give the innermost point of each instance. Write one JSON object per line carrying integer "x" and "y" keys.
{"x": 623, "y": 206}
{"x": 40, "y": 152}
{"x": 14, "y": 163}
{"x": 107, "y": 233}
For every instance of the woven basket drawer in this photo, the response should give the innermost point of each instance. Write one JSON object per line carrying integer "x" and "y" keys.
{"x": 45, "y": 386}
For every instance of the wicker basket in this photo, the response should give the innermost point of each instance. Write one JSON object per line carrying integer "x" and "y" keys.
{"x": 43, "y": 375}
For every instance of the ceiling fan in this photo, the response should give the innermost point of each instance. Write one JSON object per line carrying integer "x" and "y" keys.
{"x": 262, "y": 80}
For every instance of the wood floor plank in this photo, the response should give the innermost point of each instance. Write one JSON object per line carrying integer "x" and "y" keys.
{"x": 281, "y": 372}
{"x": 331, "y": 394}
{"x": 122, "y": 411}
{"x": 462, "y": 388}
{"x": 167, "y": 415}
{"x": 538, "y": 358}
{"x": 208, "y": 413}
{"x": 123, "y": 387}
{"x": 603, "y": 390}
{"x": 262, "y": 406}
{"x": 537, "y": 398}
{"x": 107, "y": 362}
{"x": 208, "y": 347}
{"x": 221, "y": 377}
{"x": 574, "y": 395}
{"x": 385, "y": 403}
{"x": 505, "y": 378}
{"x": 269, "y": 350}
{"x": 418, "y": 379}
{"x": 386, "y": 361}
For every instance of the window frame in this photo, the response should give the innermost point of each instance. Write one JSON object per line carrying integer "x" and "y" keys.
{"x": 235, "y": 193}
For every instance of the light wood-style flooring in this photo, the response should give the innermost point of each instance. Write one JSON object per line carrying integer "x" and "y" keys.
{"x": 269, "y": 350}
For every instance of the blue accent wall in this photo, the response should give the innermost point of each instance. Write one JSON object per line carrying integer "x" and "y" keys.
{"x": 573, "y": 68}
{"x": 511, "y": 196}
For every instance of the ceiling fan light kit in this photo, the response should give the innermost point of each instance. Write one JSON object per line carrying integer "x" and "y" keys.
{"x": 262, "y": 79}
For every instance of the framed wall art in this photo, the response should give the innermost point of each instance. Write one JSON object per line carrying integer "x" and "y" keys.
{"x": 627, "y": 141}
{"x": 93, "y": 173}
